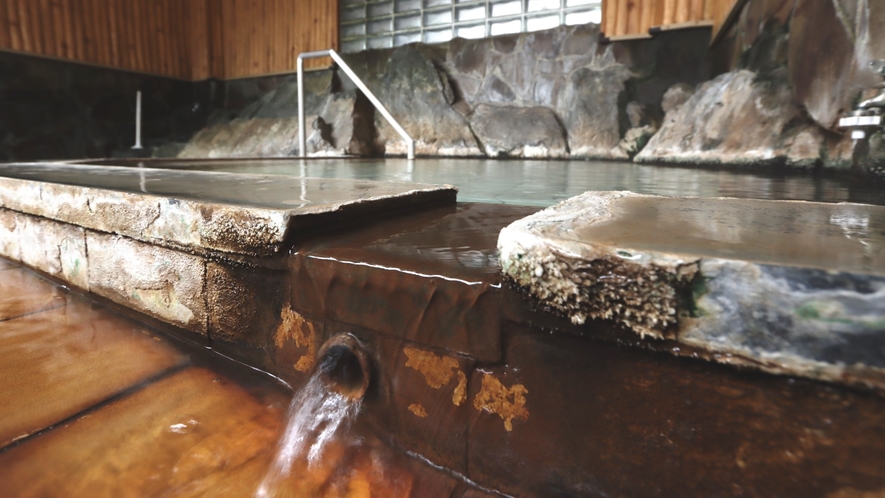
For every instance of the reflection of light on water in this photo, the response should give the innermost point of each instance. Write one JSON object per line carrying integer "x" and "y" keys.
{"x": 325, "y": 453}
{"x": 850, "y": 223}
{"x": 315, "y": 415}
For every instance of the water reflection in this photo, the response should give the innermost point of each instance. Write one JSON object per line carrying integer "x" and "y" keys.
{"x": 543, "y": 183}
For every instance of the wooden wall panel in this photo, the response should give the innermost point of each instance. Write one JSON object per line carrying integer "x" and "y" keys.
{"x": 624, "y": 19}
{"x": 186, "y": 39}
{"x": 266, "y": 36}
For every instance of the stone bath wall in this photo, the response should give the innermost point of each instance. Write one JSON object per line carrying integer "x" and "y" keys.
{"x": 549, "y": 94}
{"x": 790, "y": 68}
{"x": 52, "y": 109}
{"x": 787, "y": 69}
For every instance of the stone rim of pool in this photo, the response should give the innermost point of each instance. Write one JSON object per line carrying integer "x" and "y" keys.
{"x": 810, "y": 317}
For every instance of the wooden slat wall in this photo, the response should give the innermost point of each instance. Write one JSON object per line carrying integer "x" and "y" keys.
{"x": 252, "y": 37}
{"x": 141, "y": 35}
{"x": 186, "y": 39}
{"x": 634, "y": 18}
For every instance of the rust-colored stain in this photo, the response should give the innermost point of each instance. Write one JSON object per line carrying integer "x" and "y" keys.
{"x": 508, "y": 404}
{"x": 418, "y": 410}
{"x": 460, "y": 393}
{"x": 438, "y": 370}
{"x": 295, "y": 327}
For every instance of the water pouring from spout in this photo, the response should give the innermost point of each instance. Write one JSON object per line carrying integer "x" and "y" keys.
{"x": 324, "y": 407}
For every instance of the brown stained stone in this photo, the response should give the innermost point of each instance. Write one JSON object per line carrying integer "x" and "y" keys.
{"x": 821, "y": 62}
{"x": 425, "y": 308}
{"x": 404, "y": 405}
{"x": 611, "y": 421}
{"x": 506, "y": 402}
{"x": 6, "y": 265}
{"x": 57, "y": 363}
{"x": 300, "y": 334}
{"x": 429, "y": 277}
{"x": 163, "y": 283}
{"x": 192, "y": 434}
{"x": 244, "y": 303}
{"x": 475, "y": 493}
{"x": 22, "y": 292}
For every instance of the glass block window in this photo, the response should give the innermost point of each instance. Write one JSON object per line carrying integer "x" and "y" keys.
{"x": 391, "y": 23}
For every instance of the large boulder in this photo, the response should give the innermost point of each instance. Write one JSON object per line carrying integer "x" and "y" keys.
{"x": 420, "y": 98}
{"x": 510, "y": 131}
{"x": 268, "y": 127}
{"x": 591, "y": 110}
{"x": 738, "y": 118}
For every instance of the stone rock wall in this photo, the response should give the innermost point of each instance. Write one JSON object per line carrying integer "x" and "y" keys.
{"x": 818, "y": 54}
{"x": 788, "y": 70}
{"x": 552, "y": 94}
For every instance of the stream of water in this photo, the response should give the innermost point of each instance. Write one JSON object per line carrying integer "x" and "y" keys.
{"x": 315, "y": 416}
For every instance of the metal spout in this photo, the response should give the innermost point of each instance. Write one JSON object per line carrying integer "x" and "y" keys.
{"x": 344, "y": 367}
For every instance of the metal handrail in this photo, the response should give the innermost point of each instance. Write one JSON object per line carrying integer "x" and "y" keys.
{"x": 302, "y": 137}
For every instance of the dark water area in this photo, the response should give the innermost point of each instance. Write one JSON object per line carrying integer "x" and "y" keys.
{"x": 543, "y": 183}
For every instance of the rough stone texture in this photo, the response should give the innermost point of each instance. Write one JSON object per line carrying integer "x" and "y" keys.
{"x": 179, "y": 213}
{"x": 721, "y": 275}
{"x": 268, "y": 126}
{"x": 420, "y": 98}
{"x": 162, "y": 283}
{"x": 675, "y": 97}
{"x": 433, "y": 90}
{"x": 508, "y": 131}
{"x": 10, "y": 246}
{"x": 591, "y": 114}
{"x": 824, "y": 48}
{"x": 55, "y": 248}
{"x": 245, "y": 304}
{"x": 422, "y": 398}
{"x": 635, "y": 140}
{"x": 703, "y": 130}
{"x": 821, "y": 61}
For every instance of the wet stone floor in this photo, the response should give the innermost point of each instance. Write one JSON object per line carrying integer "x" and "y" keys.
{"x": 95, "y": 403}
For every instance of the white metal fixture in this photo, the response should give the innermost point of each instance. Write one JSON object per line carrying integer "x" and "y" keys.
{"x": 302, "y": 135}
{"x": 137, "y": 121}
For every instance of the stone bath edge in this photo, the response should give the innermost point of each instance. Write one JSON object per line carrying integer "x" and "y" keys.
{"x": 795, "y": 320}
{"x": 195, "y": 226}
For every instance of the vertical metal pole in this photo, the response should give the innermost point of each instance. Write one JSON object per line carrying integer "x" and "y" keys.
{"x": 137, "y": 121}
{"x": 302, "y": 137}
